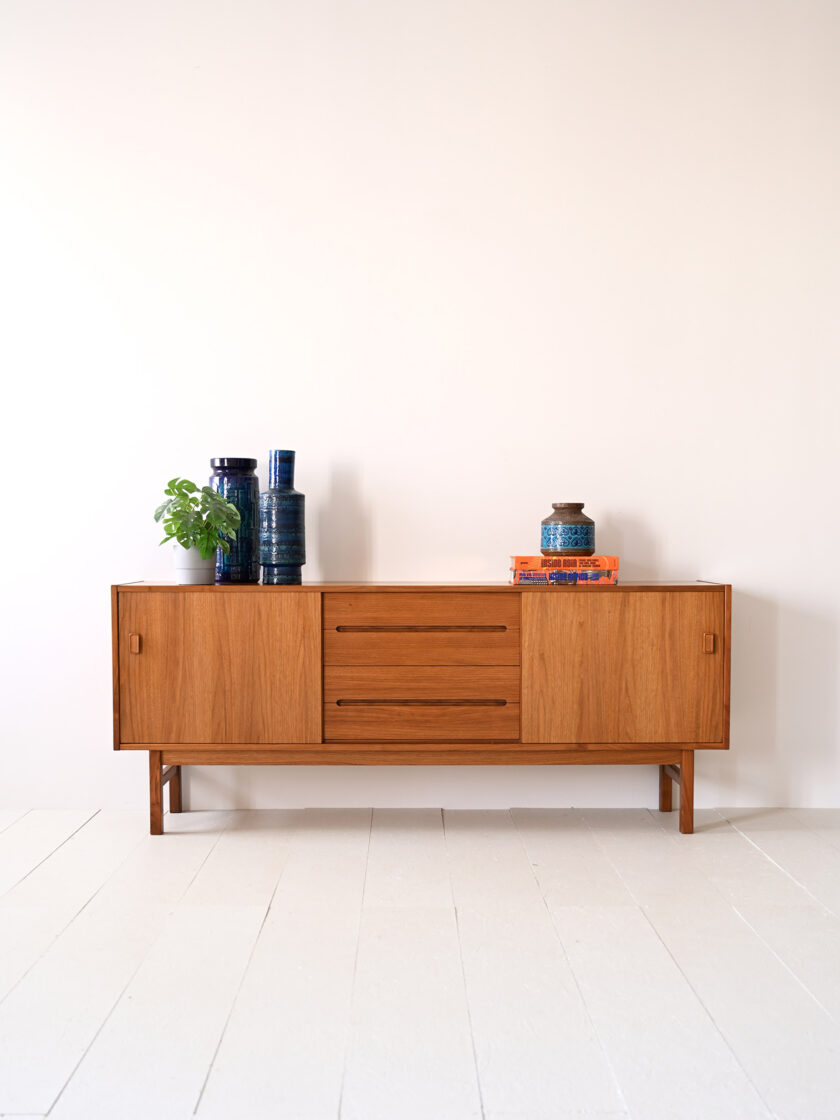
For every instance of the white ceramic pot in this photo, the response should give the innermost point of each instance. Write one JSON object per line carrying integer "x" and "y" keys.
{"x": 190, "y": 567}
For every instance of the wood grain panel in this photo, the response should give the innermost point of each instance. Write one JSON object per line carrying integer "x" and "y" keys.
{"x": 115, "y": 664}
{"x": 421, "y": 682}
{"x": 589, "y": 751}
{"x": 627, "y": 586}
{"x": 410, "y": 754}
{"x": 622, "y": 669}
{"x": 155, "y": 794}
{"x": 407, "y": 647}
{"x": 727, "y": 659}
{"x": 420, "y": 608}
{"x": 217, "y": 668}
{"x": 421, "y": 722}
{"x": 687, "y": 792}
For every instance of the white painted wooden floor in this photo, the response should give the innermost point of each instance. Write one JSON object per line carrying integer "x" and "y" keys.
{"x": 402, "y": 964}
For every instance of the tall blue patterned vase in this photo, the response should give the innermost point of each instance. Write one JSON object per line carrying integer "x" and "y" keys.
{"x": 282, "y": 530}
{"x": 236, "y": 480}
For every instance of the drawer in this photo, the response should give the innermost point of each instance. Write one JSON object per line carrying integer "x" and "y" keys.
{"x": 421, "y": 682}
{"x": 421, "y": 646}
{"x": 421, "y": 720}
{"x": 418, "y": 703}
{"x": 421, "y": 608}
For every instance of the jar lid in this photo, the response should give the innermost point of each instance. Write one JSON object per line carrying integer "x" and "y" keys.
{"x": 234, "y": 464}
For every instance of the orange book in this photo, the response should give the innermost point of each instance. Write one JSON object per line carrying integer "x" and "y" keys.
{"x": 555, "y": 578}
{"x": 565, "y": 563}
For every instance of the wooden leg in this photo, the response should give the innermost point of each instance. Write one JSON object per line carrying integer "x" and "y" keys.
{"x": 687, "y": 792}
{"x": 155, "y": 794}
{"x": 666, "y": 788}
{"x": 175, "y": 791}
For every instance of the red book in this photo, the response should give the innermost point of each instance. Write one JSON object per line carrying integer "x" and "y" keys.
{"x": 564, "y": 563}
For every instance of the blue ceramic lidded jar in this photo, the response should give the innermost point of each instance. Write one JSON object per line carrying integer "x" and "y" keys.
{"x": 236, "y": 480}
{"x": 567, "y": 531}
{"x": 282, "y": 528}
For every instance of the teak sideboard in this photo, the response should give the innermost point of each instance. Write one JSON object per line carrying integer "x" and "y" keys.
{"x": 382, "y": 674}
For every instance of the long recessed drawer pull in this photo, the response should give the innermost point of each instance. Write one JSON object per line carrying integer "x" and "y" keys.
{"x": 425, "y": 703}
{"x": 419, "y": 629}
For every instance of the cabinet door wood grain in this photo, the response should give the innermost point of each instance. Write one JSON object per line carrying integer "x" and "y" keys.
{"x": 631, "y": 668}
{"x": 217, "y": 668}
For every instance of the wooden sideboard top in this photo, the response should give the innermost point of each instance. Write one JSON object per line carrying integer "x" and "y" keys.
{"x": 528, "y": 588}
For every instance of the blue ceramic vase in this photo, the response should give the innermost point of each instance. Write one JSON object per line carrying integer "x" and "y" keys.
{"x": 236, "y": 480}
{"x": 282, "y": 530}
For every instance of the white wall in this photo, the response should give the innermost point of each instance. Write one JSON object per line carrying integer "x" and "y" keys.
{"x": 468, "y": 259}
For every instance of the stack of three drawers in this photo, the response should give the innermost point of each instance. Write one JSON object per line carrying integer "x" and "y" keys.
{"x": 424, "y": 666}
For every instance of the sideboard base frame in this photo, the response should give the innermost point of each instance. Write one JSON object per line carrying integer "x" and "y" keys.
{"x": 676, "y": 765}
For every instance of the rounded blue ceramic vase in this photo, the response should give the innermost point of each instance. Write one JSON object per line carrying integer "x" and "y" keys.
{"x": 236, "y": 480}
{"x": 567, "y": 531}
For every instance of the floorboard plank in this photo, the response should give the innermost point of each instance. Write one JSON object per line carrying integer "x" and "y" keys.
{"x": 807, "y": 940}
{"x": 283, "y": 1049}
{"x": 53, "y": 1015}
{"x": 810, "y": 861}
{"x": 647, "y": 1016}
{"x": 33, "y": 838}
{"x": 34, "y": 913}
{"x": 418, "y": 1032}
{"x": 9, "y": 816}
{"x": 536, "y": 1047}
{"x": 783, "y": 1039}
{"x": 154, "y": 1051}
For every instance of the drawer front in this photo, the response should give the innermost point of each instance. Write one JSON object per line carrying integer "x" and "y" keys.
{"x": 421, "y": 608}
{"x": 419, "y": 646}
{"x": 418, "y": 721}
{"x": 421, "y": 682}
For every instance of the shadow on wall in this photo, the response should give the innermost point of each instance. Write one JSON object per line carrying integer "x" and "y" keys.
{"x": 806, "y": 706}
{"x": 753, "y": 772}
{"x": 784, "y": 667}
{"x": 344, "y": 529}
{"x": 632, "y": 542}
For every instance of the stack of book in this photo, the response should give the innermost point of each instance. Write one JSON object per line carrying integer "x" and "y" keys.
{"x": 564, "y": 569}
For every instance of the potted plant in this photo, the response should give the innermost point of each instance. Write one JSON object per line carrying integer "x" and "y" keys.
{"x": 199, "y": 520}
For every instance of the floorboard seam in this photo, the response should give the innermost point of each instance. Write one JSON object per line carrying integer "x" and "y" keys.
{"x": 128, "y": 983}
{"x": 241, "y": 983}
{"x": 708, "y": 1014}
{"x": 463, "y": 969}
{"x": 69, "y": 922}
{"x": 51, "y": 853}
{"x": 682, "y": 973}
{"x": 779, "y": 867}
{"x": 593, "y": 1024}
{"x": 784, "y": 965}
{"x": 15, "y": 820}
{"x": 355, "y": 971}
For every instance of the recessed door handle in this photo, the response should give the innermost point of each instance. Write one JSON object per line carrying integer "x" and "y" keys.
{"x": 423, "y": 703}
{"x": 708, "y": 643}
{"x": 133, "y": 643}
